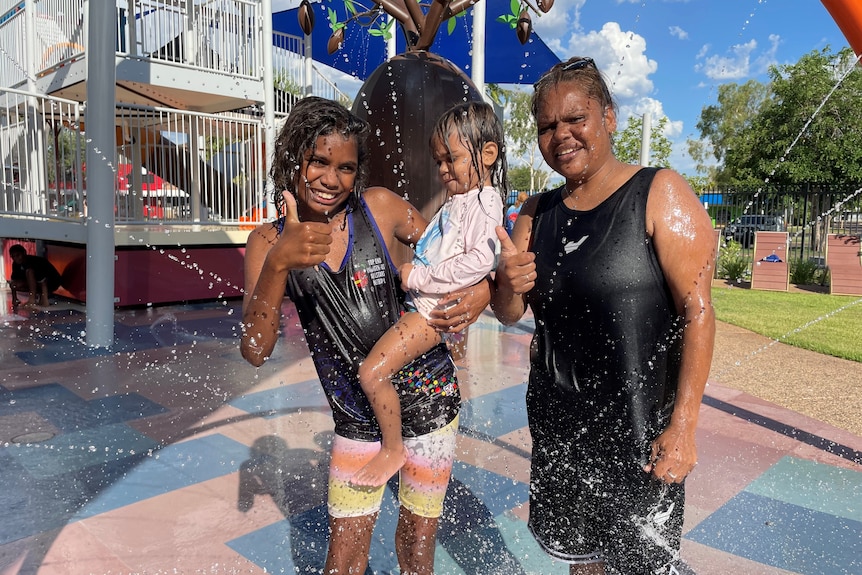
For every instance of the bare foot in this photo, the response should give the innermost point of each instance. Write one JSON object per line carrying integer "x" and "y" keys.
{"x": 378, "y": 471}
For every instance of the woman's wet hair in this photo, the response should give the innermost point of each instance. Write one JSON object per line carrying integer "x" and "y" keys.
{"x": 578, "y": 70}
{"x": 309, "y": 119}
{"x": 476, "y": 124}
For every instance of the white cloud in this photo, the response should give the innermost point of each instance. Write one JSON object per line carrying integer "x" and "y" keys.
{"x": 563, "y": 19}
{"x": 673, "y": 128}
{"x": 279, "y": 5}
{"x": 733, "y": 67}
{"x": 678, "y": 32}
{"x": 763, "y": 61}
{"x": 743, "y": 61}
{"x": 621, "y": 57}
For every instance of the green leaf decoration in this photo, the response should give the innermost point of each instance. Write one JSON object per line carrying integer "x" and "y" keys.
{"x": 512, "y": 21}
{"x": 452, "y": 22}
{"x": 386, "y": 28}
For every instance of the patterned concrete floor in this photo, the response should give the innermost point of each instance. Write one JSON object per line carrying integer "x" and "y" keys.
{"x": 169, "y": 454}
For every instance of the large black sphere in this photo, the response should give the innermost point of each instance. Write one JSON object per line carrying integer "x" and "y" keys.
{"x": 402, "y": 100}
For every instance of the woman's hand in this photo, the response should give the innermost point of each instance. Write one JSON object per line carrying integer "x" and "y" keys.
{"x": 516, "y": 270}
{"x": 673, "y": 455}
{"x": 459, "y": 309}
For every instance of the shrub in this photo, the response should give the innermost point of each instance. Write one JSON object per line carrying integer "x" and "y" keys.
{"x": 808, "y": 272}
{"x": 732, "y": 263}
{"x": 803, "y": 272}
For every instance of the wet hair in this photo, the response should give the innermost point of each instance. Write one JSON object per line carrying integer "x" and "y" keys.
{"x": 17, "y": 249}
{"x": 476, "y": 124}
{"x": 578, "y": 70}
{"x": 309, "y": 119}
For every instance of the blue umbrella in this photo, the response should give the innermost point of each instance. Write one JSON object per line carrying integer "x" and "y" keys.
{"x": 507, "y": 61}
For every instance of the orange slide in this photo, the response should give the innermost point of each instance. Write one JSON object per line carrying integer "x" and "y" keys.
{"x": 848, "y": 15}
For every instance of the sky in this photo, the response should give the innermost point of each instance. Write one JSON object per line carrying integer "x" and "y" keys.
{"x": 668, "y": 57}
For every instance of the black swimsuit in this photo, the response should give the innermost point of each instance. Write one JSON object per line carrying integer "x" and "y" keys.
{"x": 604, "y": 369}
{"x": 343, "y": 313}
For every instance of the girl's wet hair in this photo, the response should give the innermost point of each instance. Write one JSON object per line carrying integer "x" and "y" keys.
{"x": 476, "y": 124}
{"x": 578, "y": 70}
{"x": 309, "y": 119}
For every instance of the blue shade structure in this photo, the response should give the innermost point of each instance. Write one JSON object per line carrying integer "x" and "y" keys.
{"x": 507, "y": 61}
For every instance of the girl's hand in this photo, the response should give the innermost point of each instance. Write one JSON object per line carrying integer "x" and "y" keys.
{"x": 301, "y": 244}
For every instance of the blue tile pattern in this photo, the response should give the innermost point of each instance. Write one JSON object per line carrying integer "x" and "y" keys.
{"x": 168, "y": 469}
{"x": 780, "y": 520}
{"x": 496, "y": 413}
{"x": 66, "y": 343}
{"x": 283, "y": 399}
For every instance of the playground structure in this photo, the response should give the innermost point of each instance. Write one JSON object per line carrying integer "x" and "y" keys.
{"x": 198, "y": 92}
{"x": 193, "y": 80}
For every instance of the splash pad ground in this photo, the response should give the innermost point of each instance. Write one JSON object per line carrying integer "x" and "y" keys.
{"x": 171, "y": 455}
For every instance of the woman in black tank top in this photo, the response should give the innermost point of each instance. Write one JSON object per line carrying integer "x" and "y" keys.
{"x": 616, "y": 266}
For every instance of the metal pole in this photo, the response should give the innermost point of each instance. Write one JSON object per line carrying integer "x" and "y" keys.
{"x": 268, "y": 107}
{"x": 391, "y": 48}
{"x": 646, "y": 134}
{"x": 101, "y": 175}
{"x": 478, "y": 63}
{"x": 804, "y": 220}
{"x": 308, "y": 69}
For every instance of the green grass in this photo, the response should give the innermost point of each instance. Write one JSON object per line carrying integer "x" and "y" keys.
{"x": 823, "y": 323}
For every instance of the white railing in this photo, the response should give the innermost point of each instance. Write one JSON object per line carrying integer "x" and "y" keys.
{"x": 219, "y": 35}
{"x": 42, "y": 150}
{"x": 222, "y": 35}
{"x": 325, "y": 88}
{"x": 61, "y": 32}
{"x": 171, "y": 167}
{"x": 192, "y": 167}
{"x": 291, "y": 75}
{"x": 13, "y": 61}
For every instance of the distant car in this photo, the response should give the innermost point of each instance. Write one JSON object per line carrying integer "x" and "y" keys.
{"x": 742, "y": 228}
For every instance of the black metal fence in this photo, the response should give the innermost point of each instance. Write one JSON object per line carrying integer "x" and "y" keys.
{"x": 807, "y": 212}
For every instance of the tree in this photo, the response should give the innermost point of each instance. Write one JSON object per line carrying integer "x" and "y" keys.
{"x": 699, "y": 184}
{"x": 521, "y": 142}
{"x": 807, "y": 130}
{"x": 799, "y": 128}
{"x": 522, "y": 177}
{"x": 627, "y": 144}
{"x": 722, "y": 126}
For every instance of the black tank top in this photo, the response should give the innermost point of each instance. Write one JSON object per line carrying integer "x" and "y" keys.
{"x": 606, "y": 350}
{"x": 343, "y": 313}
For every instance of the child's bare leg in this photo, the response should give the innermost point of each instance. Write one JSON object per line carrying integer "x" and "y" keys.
{"x": 402, "y": 343}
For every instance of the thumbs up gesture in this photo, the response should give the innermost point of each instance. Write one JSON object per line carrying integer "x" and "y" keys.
{"x": 516, "y": 268}
{"x": 304, "y": 244}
